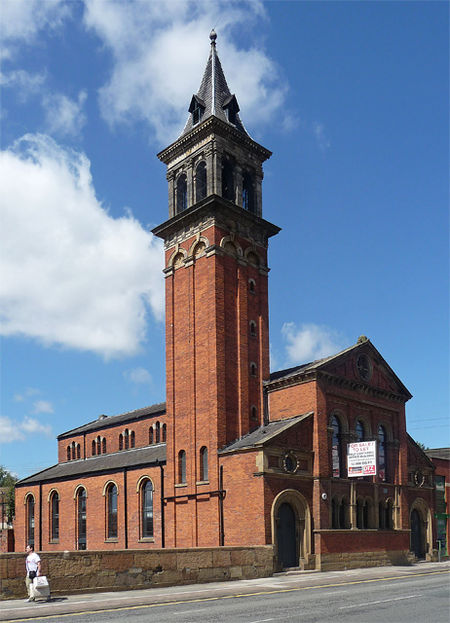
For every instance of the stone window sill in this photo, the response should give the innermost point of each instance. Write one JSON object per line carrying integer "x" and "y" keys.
{"x": 180, "y": 485}
{"x": 112, "y": 540}
{"x": 147, "y": 539}
{"x": 202, "y": 482}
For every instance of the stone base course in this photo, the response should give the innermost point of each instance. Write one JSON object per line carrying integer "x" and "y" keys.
{"x": 357, "y": 560}
{"x": 91, "y": 571}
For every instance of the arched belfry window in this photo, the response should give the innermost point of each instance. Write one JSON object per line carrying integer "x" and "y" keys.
{"x": 228, "y": 180}
{"x": 158, "y": 432}
{"x": 164, "y": 433}
{"x": 248, "y": 193}
{"x": 181, "y": 193}
{"x": 200, "y": 182}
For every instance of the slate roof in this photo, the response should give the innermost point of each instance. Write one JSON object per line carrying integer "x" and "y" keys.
{"x": 263, "y": 434}
{"x": 96, "y": 464}
{"x": 438, "y": 453}
{"x": 214, "y": 93}
{"x": 105, "y": 421}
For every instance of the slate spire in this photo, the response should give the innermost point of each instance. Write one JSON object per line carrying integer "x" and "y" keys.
{"x": 214, "y": 96}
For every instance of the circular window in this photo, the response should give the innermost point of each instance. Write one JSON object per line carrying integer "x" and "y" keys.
{"x": 290, "y": 463}
{"x": 364, "y": 367}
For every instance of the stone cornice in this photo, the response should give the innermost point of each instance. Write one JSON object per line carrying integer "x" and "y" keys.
{"x": 211, "y": 125}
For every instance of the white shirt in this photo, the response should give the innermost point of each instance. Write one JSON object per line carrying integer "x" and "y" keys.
{"x": 32, "y": 561}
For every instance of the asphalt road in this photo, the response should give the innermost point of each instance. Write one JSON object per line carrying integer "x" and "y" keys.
{"x": 406, "y": 596}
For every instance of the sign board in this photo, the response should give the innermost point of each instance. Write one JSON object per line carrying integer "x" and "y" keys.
{"x": 362, "y": 459}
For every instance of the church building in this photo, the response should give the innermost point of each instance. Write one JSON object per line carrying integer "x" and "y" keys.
{"x": 237, "y": 455}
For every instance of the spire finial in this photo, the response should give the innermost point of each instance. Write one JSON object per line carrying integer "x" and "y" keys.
{"x": 213, "y": 36}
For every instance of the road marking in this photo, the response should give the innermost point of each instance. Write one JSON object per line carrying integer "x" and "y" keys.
{"x": 205, "y": 599}
{"x": 380, "y": 601}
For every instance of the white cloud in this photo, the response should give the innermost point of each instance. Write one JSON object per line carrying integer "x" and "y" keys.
{"x": 71, "y": 274}
{"x": 310, "y": 342}
{"x": 23, "y": 19}
{"x": 160, "y": 51}
{"x": 30, "y": 391}
{"x": 17, "y": 431}
{"x": 64, "y": 116}
{"x": 42, "y": 406}
{"x": 139, "y": 376}
{"x": 321, "y": 138}
{"x": 26, "y": 83}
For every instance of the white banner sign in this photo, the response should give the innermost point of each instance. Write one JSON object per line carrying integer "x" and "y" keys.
{"x": 362, "y": 458}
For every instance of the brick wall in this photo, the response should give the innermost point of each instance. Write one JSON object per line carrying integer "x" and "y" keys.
{"x": 72, "y": 572}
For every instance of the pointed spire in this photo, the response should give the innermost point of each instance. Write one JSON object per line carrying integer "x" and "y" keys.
{"x": 214, "y": 97}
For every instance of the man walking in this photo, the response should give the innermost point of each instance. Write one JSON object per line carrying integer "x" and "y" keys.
{"x": 33, "y": 567}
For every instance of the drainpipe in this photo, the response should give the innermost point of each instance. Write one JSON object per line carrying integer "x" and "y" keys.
{"x": 125, "y": 505}
{"x": 221, "y": 496}
{"x": 40, "y": 516}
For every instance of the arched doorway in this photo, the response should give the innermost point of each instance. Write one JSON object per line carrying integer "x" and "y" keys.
{"x": 291, "y": 529}
{"x": 417, "y": 534}
{"x": 288, "y": 551}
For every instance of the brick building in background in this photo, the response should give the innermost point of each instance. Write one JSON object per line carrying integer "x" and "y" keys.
{"x": 440, "y": 457}
{"x": 236, "y": 455}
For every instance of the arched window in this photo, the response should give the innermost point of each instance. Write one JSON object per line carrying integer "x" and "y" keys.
{"x": 111, "y": 509}
{"x": 336, "y": 447}
{"x": 126, "y": 437}
{"x": 132, "y": 439}
{"x": 252, "y": 328}
{"x": 254, "y": 413}
{"x": 30, "y": 520}
{"x": 344, "y": 514}
{"x": 99, "y": 445}
{"x": 359, "y": 429}
{"x": 81, "y": 518}
{"x": 164, "y": 433}
{"x": 248, "y": 193}
{"x": 181, "y": 467}
{"x": 362, "y": 514}
{"x": 68, "y": 453}
{"x": 200, "y": 182}
{"x": 227, "y": 180}
{"x": 252, "y": 286}
{"x": 94, "y": 447}
{"x": 253, "y": 369}
{"x": 388, "y": 517}
{"x": 120, "y": 441}
{"x": 73, "y": 450}
{"x": 104, "y": 445}
{"x": 204, "y": 463}
{"x": 382, "y": 453}
{"x": 150, "y": 435}
{"x": 54, "y": 516}
{"x": 78, "y": 451}
{"x": 158, "y": 432}
{"x": 181, "y": 193}
{"x": 146, "y": 509}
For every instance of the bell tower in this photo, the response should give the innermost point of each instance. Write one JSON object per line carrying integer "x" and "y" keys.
{"x": 217, "y": 343}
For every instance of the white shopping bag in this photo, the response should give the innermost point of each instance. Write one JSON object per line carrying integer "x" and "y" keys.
{"x": 40, "y": 581}
{"x": 40, "y": 587}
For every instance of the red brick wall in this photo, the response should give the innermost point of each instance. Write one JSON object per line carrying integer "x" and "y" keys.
{"x": 335, "y": 541}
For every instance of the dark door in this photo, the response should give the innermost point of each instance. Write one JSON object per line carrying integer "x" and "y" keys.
{"x": 417, "y": 541}
{"x": 287, "y": 537}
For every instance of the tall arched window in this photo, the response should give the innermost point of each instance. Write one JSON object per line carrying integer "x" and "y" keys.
{"x": 54, "y": 516}
{"x": 248, "y": 193}
{"x": 126, "y": 437}
{"x": 104, "y": 445}
{"x": 359, "y": 429}
{"x": 30, "y": 519}
{"x": 181, "y": 467}
{"x": 362, "y": 514}
{"x": 200, "y": 182}
{"x": 111, "y": 506}
{"x": 164, "y": 433}
{"x": 132, "y": 439}
{"x": 158, "y": 432}
{"x": 94, "y": 447}
{"x": 120, "y": 441}
{"x": 73, "y": 450}
{"x": 382, "y": 453}
{"x": 150, "y": 435}
{"x": 81, "y": 518}
{"x": 227, "y": 180}
{"x": 181, "y": 193}
{"x": 254, "y": 413}
{"x": 99, "y": 445}
{"x": 146, "y": 509}
{"x": 336, "y": 447}
{"x": 204, "y": 463}
{"x": 252, "y": 328}
{"x": 68, "y": 453}
{"x": 78, "y": 451}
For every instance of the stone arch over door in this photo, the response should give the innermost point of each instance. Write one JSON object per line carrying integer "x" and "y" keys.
{"x": 421, "y": 529}
{"x": 291, "y": 528}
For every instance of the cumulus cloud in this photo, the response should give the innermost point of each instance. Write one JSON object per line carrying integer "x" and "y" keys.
{"x": 64, "y": 116}
{"x": 138, "y": 376}
{"x": 25, "y": 82}
{"x": 71, "y": 274}
{"x": 23, "y": 19}
{"x": 18, "y": 431}
{"x": 310, "y": 342}
{"x": 160, "y": 51}
{"x": 42, "y": 406}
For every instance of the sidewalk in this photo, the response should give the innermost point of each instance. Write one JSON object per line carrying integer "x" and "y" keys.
{"x": 11, "y": 610}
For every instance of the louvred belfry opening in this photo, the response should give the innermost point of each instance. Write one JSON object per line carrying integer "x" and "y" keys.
{"x": 216, "y": 285}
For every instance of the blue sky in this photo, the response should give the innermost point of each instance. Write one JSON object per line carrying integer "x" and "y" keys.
{"x": 351, "y": 97}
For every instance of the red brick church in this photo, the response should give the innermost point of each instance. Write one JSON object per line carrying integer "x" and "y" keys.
{"x": 236, "y": 455}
